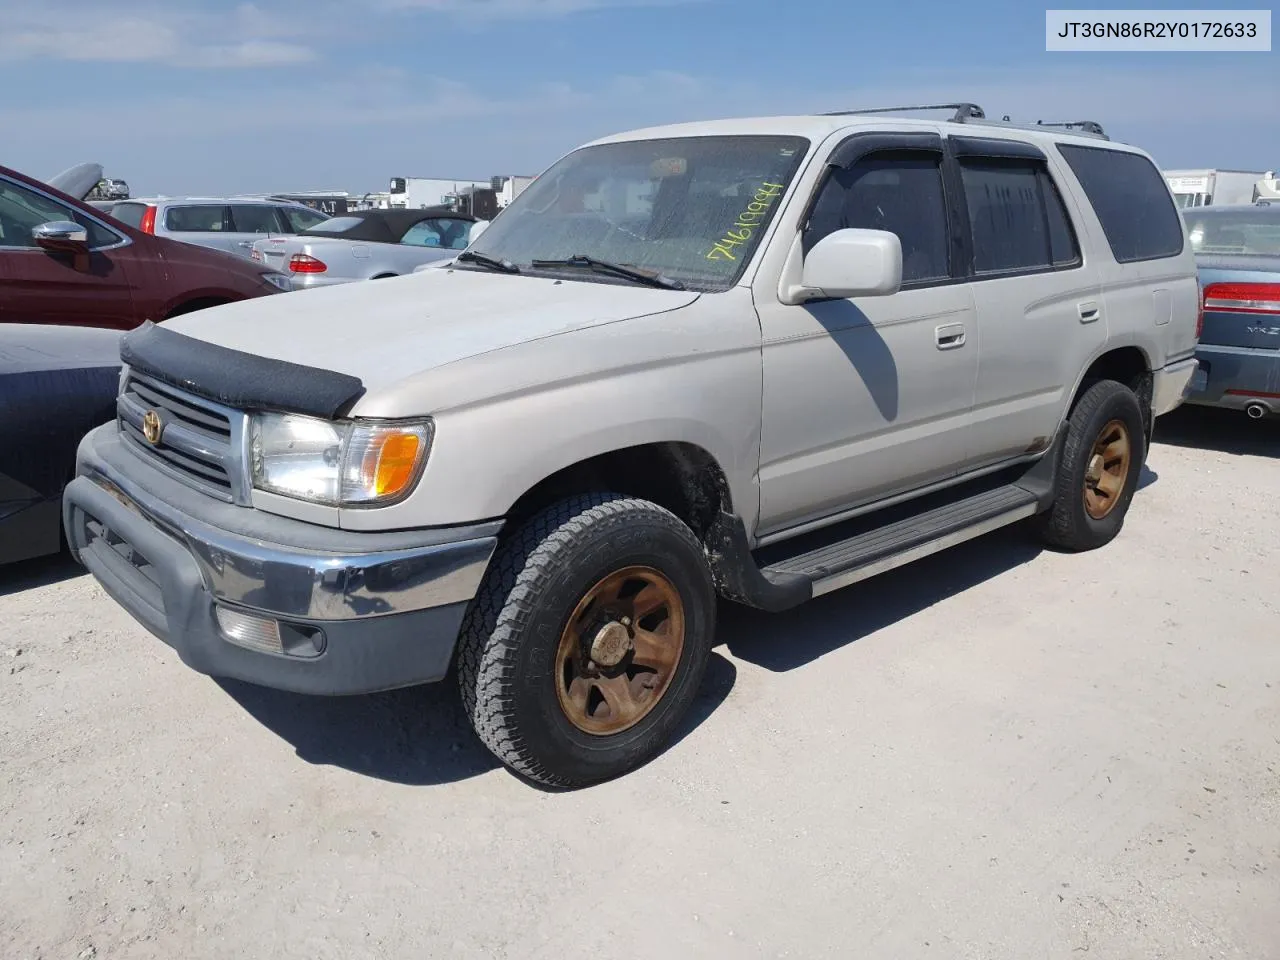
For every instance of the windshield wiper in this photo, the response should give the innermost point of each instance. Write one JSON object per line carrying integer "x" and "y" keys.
{"x": 617, "y": 269}
{"x": 484, "y": 260}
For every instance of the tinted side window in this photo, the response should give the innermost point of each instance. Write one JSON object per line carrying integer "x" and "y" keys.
{"x": 195, "y": 219}
{"x": 22, "y": 210}
{"x": 1017, "y": 218}
{"x": 898, "y": 192}
{"x": 254, "y": 218}
{"x": 1131, "y": 200}
{"x": 129, "y": 214}
{"x": 301, "y": 218}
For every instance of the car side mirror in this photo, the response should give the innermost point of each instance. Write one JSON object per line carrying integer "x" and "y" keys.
{"x": 61, "y": 236}
{"x": 477, "y": 228}
{"x": 852, "y": 263}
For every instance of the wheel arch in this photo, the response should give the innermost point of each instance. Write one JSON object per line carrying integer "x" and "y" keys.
{"x": 679, "y": 476}
{"x": 1128, "y": 364}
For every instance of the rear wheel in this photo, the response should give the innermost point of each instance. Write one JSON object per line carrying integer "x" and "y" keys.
{"x": 1098, "y": 474}
{"x": 588, "y": 640}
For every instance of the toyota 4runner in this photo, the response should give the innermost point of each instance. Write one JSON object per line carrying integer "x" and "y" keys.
{"x": 760, "y": 359}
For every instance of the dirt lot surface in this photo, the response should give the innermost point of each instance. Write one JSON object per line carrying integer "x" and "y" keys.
{"x": 996, "y": 753}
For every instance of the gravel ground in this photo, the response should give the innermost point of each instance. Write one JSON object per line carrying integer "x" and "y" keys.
{"x": 997, "y": 753}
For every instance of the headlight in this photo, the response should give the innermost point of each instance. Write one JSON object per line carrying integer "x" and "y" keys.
{"x": 279, "y": 281}
{"x": 350, "y": 463}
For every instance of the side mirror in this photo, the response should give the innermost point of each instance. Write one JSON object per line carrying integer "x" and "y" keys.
{"x": 852, "y": 263}
{"x": 62, "y": 236}
{"x": 477, "y": 228}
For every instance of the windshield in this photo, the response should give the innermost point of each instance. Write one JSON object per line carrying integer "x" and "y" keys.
{"x": 1248, "y": 232}
{"x": 691, "y": 208}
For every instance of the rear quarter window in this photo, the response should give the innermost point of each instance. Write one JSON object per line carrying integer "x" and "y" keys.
{"x": 130, "y": 214}
{"x": 1131, "y": 199}
{"x": 195, "y": 219}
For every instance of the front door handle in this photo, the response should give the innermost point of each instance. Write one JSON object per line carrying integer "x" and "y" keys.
{"x": 1088, "y": 311}
{"x": 949, "y": 336}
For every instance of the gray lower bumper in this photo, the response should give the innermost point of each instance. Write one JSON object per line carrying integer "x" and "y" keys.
{"x": 377, "y": 611}
{"x": 1237, "y": 377}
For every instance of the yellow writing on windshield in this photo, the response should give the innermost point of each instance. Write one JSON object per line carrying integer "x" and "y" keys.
{"x": 748, "y": 222}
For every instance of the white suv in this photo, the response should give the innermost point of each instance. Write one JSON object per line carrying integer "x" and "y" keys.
{"x": 756, "y": 358}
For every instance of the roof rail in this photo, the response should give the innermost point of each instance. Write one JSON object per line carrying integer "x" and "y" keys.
{"x": 1088, "y": 126}
{"x": 963, "y": 111}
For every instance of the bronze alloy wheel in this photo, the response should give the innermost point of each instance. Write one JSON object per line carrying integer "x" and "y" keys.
{"x": 619, "y": 651}
{"x": 1108, "y": 470}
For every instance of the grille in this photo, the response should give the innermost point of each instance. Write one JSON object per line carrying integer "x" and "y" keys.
{"x": 199, "y": 440}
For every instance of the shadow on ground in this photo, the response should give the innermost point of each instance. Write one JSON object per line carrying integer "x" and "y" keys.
{"x": 418, "y": 736}
{"x": 787, "y": 641}
{"x": 1226, "y": 431}
{"x": 40, "y": 572}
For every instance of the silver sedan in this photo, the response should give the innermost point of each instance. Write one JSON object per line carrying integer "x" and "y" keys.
{"x": 366, "y": 245}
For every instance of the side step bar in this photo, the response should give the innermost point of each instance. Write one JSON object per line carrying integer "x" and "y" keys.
{"x": 839, "y": 564}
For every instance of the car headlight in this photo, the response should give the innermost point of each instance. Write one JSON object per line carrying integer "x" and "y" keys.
{"x": 346, "y": 463}
{"x": 279, "y": 281}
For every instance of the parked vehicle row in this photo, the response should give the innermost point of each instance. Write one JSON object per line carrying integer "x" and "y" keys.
{"x": 64, "y": 262}
{"x": 760, "y": 358}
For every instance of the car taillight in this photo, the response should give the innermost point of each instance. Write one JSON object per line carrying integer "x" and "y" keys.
{"x": 148, "y": 222}
{"x": 1200, "y": 312}
{"x": 301, "y": 263}
{"x": 1243, "y": 297}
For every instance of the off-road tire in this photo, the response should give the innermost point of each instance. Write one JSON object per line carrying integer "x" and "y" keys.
{"x": 1068, "y": 525}
{"x": 510, "y": 634}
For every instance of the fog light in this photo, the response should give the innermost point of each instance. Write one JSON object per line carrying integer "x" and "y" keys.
{"x": 253, "y": 633}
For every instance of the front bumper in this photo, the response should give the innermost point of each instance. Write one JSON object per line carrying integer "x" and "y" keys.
{"x": 1170, "y": 385}
{"x": 357, "y": 612}
{"x": 1236, "y": 377}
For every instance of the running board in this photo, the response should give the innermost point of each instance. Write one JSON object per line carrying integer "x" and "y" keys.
{"x": 882, "y": 548}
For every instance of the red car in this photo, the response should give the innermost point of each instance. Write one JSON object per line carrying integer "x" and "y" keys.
{"x": 63, "y": 262}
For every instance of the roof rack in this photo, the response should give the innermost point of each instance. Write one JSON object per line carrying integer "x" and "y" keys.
{"x": 1088, "y": 126}
{"x": 963, "y": 111}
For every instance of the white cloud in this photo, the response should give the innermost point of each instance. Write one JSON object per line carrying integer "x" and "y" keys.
{"x": 172, "y": 35}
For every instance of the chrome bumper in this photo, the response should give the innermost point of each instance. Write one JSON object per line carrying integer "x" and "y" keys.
{"x": 387, "y": 606}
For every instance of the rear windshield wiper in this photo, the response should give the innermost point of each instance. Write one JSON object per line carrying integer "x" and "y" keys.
{"x": 618, "y": 269}
{"x": 484, "y": 260}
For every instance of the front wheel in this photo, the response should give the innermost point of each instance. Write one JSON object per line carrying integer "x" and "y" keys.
{"x": 1098, "y": 474}
{"x": 588, "y": 640}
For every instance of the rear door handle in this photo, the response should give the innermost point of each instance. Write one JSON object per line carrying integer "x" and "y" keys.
{"x": 949, "y": 336}
{"x": 1088, "y": 311}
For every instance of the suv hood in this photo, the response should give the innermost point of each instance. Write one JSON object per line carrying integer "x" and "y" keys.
{"x": 383, "y": 331}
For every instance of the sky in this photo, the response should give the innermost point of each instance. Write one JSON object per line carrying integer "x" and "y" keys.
{"x": 201, "y": 96}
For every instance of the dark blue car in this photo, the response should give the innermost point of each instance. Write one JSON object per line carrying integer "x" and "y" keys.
{"x": 1238, "y": 254}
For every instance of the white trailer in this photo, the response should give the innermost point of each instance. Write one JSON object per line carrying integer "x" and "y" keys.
{"x": 1203, "y": 188}
{"x": 418, "y": 193}
{"x": 508, "y": 188}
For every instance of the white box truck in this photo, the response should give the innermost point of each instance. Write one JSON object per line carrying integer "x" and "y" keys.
{"x": 1203, "y": 188}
